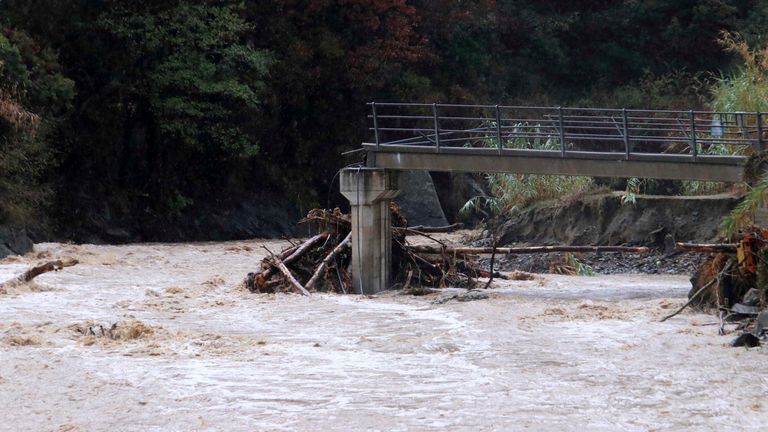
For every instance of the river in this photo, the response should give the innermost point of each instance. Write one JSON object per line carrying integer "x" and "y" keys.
{"x": 194, "y": 351}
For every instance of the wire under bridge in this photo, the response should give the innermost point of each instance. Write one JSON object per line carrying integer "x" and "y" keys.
{"x": 666, "y": 144}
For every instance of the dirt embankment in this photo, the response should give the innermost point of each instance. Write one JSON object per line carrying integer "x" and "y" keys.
{"x": 605, "y": 220}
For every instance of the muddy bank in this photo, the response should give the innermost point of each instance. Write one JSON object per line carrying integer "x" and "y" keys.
{"x": 604, "y": 220}
{"x": 191, "y": 350}
{"x": 655, "y": 262}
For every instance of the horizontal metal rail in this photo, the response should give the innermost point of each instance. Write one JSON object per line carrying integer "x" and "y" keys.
{"x": 566, "y": 131}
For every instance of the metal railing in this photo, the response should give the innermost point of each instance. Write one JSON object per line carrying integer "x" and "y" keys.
{"x": 619, "y": 132}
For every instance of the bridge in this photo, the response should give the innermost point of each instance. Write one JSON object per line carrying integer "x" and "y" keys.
{"x": 597, "y": 142}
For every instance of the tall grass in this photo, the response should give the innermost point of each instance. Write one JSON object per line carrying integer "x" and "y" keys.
{"x": 746, "y": 90}
{"x": 512, "y": 192}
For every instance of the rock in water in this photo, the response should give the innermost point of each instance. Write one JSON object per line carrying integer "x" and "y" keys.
{"x": 751, "y": 298}
{"x": 762, "y": 323}
{"x": 746, "y": 340}
{"x": 744, "y": 309}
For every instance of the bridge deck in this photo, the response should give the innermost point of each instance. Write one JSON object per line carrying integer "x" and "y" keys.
{"x": 701, "y": 145}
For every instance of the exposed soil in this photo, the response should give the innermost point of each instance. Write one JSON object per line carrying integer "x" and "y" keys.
{"x": 603, "y": 220}
{"x": 161, "y": 337}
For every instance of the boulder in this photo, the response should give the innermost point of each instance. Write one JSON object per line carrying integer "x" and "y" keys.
{"x": 751, "y": 298}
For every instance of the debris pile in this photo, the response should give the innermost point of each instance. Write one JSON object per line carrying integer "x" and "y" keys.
{"x": 322, "y": 263}
{"x": 733, "y": 282}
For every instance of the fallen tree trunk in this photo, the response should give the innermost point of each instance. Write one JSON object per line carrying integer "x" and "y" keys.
{"x": 440, "y": 229}
{"x": 38, "y": 270}
{"x": 706, "y": 247}
{"x": 287, "y": 257}
{"x": 426, "y": 249}
{"x": 307, "y": 245}
{"x": 347, "y": 242}
{"x": 715, "y": 280}
{"x": 288, "y": 276}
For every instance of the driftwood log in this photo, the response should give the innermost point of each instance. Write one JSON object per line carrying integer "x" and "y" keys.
{"x": 715, "y": 280}
{"x": 287, "y": 257}
{"x": 706, "y": 247}
{"x": 440, "y": 229}
{"x": 287, "y": 274}
{"x": 38, "y": 270}
{"x": 426, "y": 249}
{"x": 346, "y": 243}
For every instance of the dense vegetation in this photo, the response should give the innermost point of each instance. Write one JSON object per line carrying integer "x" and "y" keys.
{"x": 142, "y": 113}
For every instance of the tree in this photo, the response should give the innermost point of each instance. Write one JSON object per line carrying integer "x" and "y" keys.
{"x": 33, "y": 95}
{"x": 189, "y": 91}
{"x": 331, "y": 57}
{"x": 169, "y": 106}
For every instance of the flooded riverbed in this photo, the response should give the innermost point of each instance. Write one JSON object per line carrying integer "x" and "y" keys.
{"x": 197, "y": 352}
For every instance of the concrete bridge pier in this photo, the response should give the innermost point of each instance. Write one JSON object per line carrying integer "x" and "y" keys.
{"x": 370, "y": 192}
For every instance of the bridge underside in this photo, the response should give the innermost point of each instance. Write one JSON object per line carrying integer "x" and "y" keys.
{"x": 582, "y": 163}
{"x": 371, "y": 189}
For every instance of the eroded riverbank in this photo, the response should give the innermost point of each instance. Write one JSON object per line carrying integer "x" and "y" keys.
{"x": 554, "y": 353}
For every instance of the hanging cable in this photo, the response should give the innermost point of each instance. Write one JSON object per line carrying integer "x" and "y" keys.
{"x": 359, "y": 254}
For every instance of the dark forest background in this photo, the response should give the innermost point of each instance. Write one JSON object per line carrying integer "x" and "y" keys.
{"x": 167, "y": 120}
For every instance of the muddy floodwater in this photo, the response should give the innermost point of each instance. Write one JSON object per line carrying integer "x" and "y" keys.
{"x": 162, "y": 338}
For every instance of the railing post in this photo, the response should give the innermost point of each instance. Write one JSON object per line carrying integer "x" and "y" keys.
{"x": 562, "y": 132}
{"x": 626, "y": 132}
{"x": 694, "y": 149}
{"x": 437, "y": 127}
{"x": 759, "y": 118}
{"x": 375, "y": 125}
{"x": 498, "y": 128}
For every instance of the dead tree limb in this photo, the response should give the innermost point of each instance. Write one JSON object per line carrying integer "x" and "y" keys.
{"x": 282, "y": 255}
{"x": 706, "y": 247}
{"x": 426, "y": 249}
{"x": 714, "y": 280}
{"x": 493, "y": 259}
{"x": 287, "y": 273}
{"x": 293, "y": 254}
{"x": 440, "y": 229}
{"x": 408, "y": 278}
{"x": 38, "y": 270}
{"x": 347, "y": 242}
{"x": 307, "y": 245}
{"x": 420, "y": 233}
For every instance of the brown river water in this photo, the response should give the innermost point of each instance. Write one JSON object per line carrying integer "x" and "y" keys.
{"x": 193, "y": 351}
